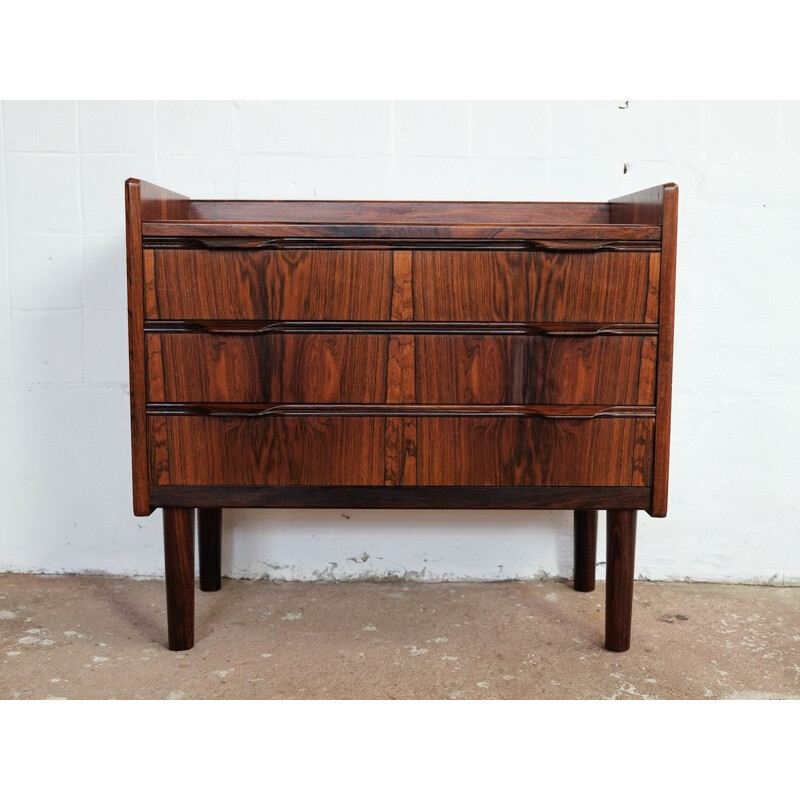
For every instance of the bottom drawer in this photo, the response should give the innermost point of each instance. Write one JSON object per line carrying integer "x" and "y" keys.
{"x": 375, "y": 450}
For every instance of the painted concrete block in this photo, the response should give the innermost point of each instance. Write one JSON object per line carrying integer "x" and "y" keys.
{"x": 278, "y": 127}
{"x": 42, "y": 193}
{"x": 104, "y": 279}
{"x": 352, "y": 128}
{"x": 45, "y": 270}
{"x": 46, "y": 347}
{"x": 203, "y": 127}
{"x": 113, "y": 126}
{"x": 510, "y": 129}
{"x": 432, "y": 128}
{"x": 105, "y": 344}
{"x": 37, "y": 126}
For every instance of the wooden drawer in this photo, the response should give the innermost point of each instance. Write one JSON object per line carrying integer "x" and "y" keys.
{"x": 276, "y": 451}
{"x": 366, "y": 450}
{"x": 442, "y": 286}
{"x": 437, "y": 368}
{"x": 514, "y": 451}
{"x": 569, "y": 370}
{"x": 267, "y": 368}
{"x": 268, "y": 284}
{"x": 497, "y": 286}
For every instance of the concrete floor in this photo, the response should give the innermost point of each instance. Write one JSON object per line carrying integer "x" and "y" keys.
{"x": 99, "y": 637}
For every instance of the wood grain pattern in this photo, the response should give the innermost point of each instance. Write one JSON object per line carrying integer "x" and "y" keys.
{"x": 530, "y": 287}
{"x": 647, "y": 370}
{"x": 620, "y": 554}
{"x": 280, "y": 284}
{"x": 234, "y": 326}
{"x": 271, "y": 368}
{"x": 278, "y": 451}
{"x": 399, "y": 244}
{"x": 590, "y": 370}
{"x": 377, "y": 211}
{"x": 645, "y": 207}
{"x": 158, "y": 464}
{"x": 159, "y": 204}
{"x": 478, "y": 232}
{"x": 179, "y": 572}
{"x": 666, "y": 326}
{"x": 254, "y": 410}
{"x": 143, "y": 201}
{"x": 150, "y": 306}
{"x": 400, "y": 461}
{"x": 658, "y": 206}
{"x": 508, "y": 451}
{"x": 371, "y": 368}
{"x": 402, "y": 283}
{"x": 401, "y": 432}
{"x": 643, "y": 448}
{"x": 136, "y": 347}
{"x": 459, "y": 497}
{"x": 653, "y": 287}
{"x": 350, "y": 451}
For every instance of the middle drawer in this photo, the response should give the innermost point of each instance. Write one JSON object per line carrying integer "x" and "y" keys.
{"x": 440, "y": 368}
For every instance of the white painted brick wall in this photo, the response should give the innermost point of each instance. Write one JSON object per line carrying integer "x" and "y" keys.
{"x": 432, "y": 128}
{"x": 117, "y": 126}
{"x": 36, "y": 127}
{"x": 45, "y": 270}
{"x": 64, "y": 428}
{"x": 277, "y": 128}
{"x": 197, "y": 128}
{"x": 42, "y": 193}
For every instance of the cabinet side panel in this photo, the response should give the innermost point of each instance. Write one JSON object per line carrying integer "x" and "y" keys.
{"x": 666, "y": 329}
{"x": 136, "y": 346}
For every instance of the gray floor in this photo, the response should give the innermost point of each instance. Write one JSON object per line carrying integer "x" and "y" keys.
{"x": 99, "y": 637}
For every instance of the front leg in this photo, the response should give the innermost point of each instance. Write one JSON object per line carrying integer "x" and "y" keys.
{"x": 179, "y": 564}
{"x": 620, "y": 551}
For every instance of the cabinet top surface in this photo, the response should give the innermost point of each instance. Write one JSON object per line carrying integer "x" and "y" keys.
{"x": 166, "y": 214}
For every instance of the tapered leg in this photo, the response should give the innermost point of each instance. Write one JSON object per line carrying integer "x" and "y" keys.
{"x": 179, "y": 562}
{"x": 209, "y": 537}
{"x": 620, "y": 550}
{"x": 585, "y": 550}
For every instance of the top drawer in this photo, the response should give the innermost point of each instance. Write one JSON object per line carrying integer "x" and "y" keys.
{"x": 268, "y": 284}
{"x": 536, "y": 286}
{"x": 423, "y": 285}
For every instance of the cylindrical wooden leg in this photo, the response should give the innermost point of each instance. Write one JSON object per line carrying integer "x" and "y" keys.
{"x": 585, "y": 550}
{"x": 179, "y": 562}
{"x": 620, "y": 550}
{"x": 209, "y": 537}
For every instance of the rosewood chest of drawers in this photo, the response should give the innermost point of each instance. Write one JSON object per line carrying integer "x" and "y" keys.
{"x": 400, "y": 355}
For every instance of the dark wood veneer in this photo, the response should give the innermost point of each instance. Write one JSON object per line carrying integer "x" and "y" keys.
{"x": 398, "y": 497}
{"x": 353, "y": 450}
{"x": 272, "y": 284}
{"x": 355, "y": 368}
{"x": 400, "y": 355}
{"x": 636, "y": 233}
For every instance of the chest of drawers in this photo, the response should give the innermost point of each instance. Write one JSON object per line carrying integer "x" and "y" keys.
{"x": 400, "y": 355}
